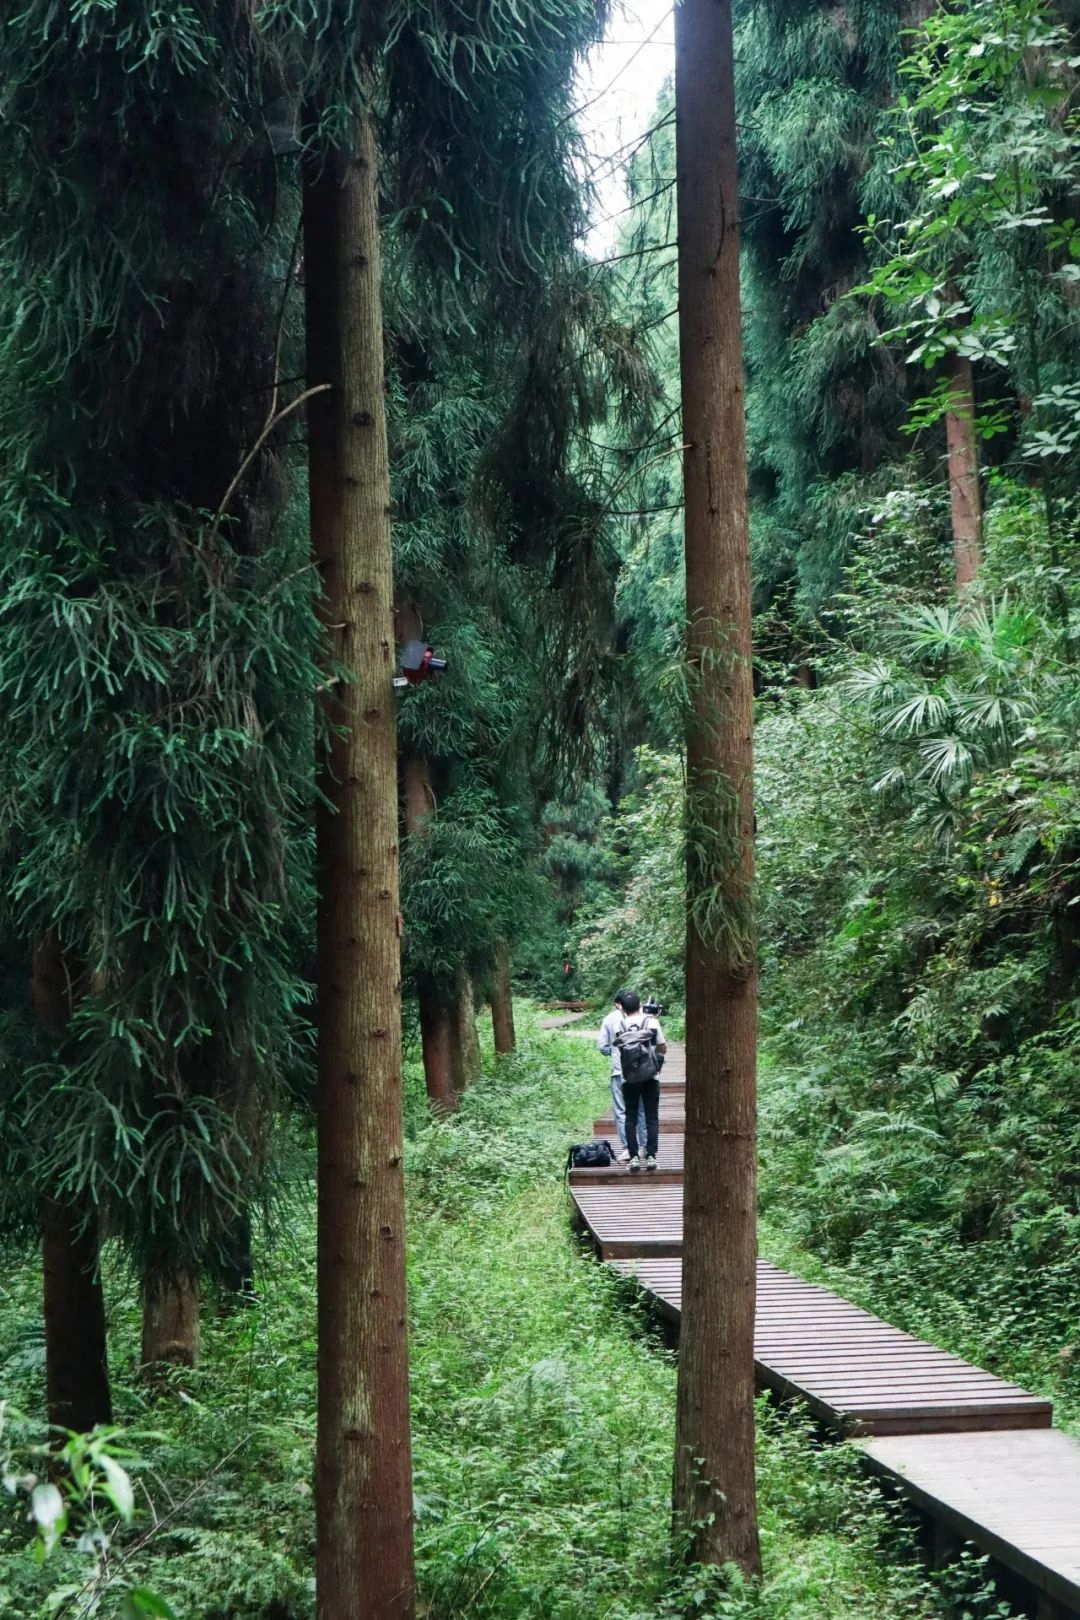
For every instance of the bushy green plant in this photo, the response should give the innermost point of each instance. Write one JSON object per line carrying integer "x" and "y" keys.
{"x": 543, "y": 1403}
{"x": 637, "y": 937}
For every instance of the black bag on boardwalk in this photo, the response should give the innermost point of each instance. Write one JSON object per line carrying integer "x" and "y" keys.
{"x": 590, "y": 1156}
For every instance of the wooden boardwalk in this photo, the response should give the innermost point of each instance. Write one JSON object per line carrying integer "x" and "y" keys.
{"x": 974, "y": 1451}
{"x": 1016, "y": 1496}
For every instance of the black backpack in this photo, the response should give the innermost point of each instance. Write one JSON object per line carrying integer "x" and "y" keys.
{"x": 590, "y": 1156}
{"x": 637, "y": 1052}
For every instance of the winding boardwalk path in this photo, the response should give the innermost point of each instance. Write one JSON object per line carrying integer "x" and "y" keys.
{"x": 974, "y": 1452}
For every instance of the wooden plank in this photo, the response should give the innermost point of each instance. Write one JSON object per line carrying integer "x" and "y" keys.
{"x": 1016, "y": 1495}
{"x": 611, "y": 1174}
{"x": 854, "y": 1371}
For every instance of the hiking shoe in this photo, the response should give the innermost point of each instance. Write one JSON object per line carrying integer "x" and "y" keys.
{"x": 650, "y": 1162}
{"x": 624, "y": 1157}
{"x": 635, "y": 1163}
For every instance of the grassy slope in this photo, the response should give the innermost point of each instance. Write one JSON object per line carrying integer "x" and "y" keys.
{"x": 543, "y": 1413}
{"x": 972, "y": 1300}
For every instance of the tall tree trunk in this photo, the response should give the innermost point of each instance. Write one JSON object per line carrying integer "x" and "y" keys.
{"x": 76, "y": 1362}
{"x": 714, "y": 1488}
{"x": 451, "y": 1045}
{"x": 76, "y": 1358}
{"x": 965, "y": 492}
{"x": 450, "y": 1041}
{"x": 170, "y": 1324}
{"x": 419, "y": 794}
{"x": 437, "y": 1036}
{"x": 437, "y": 1042}
{"x": 363, "y": 1493}
{"x": 502, "y": 1001}
{"x": 466, "y": 1039}
{"x": 237, "y": 1265}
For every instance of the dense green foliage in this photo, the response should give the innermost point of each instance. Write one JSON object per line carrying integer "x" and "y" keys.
{"x": 543, "y": 1404}
{"x": 908, "y": 193}
{"x": 916, "y": 764}
{"x": 156, "y": 633}
{"x": 918, "y": 884}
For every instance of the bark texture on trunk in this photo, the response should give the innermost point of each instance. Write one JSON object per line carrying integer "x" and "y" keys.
{"x": 170, "y": 1325}
{"x": 502, "y": 1002}
{"x": 466, "y": 1037}
{"x": 451, "y": 1044}
{"x": 437, "y": 1041}
{"x": 437, "y": 1034}
{"x": 419, "y": 793}
{"x": 714, "y": 1487}
{"x": 364, "y": 1512}
{"x": 965, "y": 491}
{"x": 76, "y": 1359}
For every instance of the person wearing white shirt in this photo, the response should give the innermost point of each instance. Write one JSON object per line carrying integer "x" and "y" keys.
{"x": 626, "y": 1017}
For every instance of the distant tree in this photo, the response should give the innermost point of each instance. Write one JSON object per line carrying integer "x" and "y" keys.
{"x": 977, "y": 256}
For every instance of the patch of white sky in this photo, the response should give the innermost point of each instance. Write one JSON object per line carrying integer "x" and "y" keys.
{"x": 617, "y": 90}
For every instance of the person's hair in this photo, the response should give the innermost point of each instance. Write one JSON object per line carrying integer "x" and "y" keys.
{"x": 628, "y": 1000}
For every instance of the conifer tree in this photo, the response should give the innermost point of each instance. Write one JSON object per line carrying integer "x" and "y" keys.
{"x": 714, "y": 1491}
{"x": 155, "y": 629}
{"x": 468, "y": 138}
{"x": 363, "y": 1457}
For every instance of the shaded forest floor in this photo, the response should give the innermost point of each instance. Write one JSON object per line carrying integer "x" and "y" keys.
{"x": 543, "y": 1413}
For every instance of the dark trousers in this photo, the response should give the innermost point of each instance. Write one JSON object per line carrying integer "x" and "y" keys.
{"x": 647, "y": 1092}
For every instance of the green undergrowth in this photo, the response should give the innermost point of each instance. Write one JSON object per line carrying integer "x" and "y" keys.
{"x": 987, "y": 1300}
{"x": 543, "y": 1406}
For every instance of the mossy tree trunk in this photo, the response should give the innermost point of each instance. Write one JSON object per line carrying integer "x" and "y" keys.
{"x": 451, "y": 1045}
{"x": 170, "y": 1324}
{"x": 502, "y": 1002}
{"x": 965, "y": 491}
{"x": 466, "y": 1038}
{"x": 437, "y": 1036}
{"x": 76, "y": 1357}
{"x": 364, "y": 1512}
{"x": 714, "y": 1487}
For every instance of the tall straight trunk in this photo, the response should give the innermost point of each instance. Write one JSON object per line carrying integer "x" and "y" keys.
{"x": 170, "y": 1324}
{"x": 437, "y": 1043}
{"x": 465, "y": 1037}
{"x": 965, "y": 492}
{"x": 363, "y": 1492}
{"x": 419, "y": 793}
{"x": 237, "y": 1265}
{"x": 76, "y": 1362}
{"x": 450, "y": 1042}
{"x": 502, "y": 1001}
{"x": 714, "y": 1488}
{"x": 77, "y": 1389}
{"x": 437, "y": 1036}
